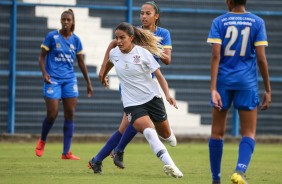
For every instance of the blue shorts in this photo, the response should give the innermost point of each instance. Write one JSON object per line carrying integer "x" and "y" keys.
{"x": 63, "y": 88}
{"x": 242, "y": 99}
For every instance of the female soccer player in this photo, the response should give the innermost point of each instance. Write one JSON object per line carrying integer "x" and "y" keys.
{"x": 60, "y": 82}
{"x": 238, "y": 41}
{"x": 150, "y": 18}
{"x": 141, "y": 97}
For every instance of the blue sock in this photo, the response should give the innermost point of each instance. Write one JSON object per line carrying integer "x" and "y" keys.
{"x": 68, "y": 132}
{"x": 109, "y": 146}
{"x": 216, "y": 149}
{"x": 246, "y": 149}
{"x": 46, "y": 127}
{"x": 127, "y": 136}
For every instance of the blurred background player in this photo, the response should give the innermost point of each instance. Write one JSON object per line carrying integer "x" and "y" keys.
{"x": 140, "y": 93}
{"x": 238, "y": 41}
{"x": 60, "y": 82}
{"x": 150, "y": 18}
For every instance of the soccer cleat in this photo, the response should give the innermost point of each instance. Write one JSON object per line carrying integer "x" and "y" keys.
{"x": 39, "y": 150}
{"x": 70, "y": 156}
{"x": 173, "y": 171}
{"x": 118, "y": 159}
{"x": 238, "y": 178}
{"x": 95, "y": 166}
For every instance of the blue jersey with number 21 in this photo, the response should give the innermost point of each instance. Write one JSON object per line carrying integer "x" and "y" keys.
{"x": 238, "y": 34}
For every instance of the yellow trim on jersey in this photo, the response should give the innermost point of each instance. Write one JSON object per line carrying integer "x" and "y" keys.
{"x": 214, "y": 40}
{"x": 80, "y": 52}
{"x": 261, "y": 43}
{"x": 44, "y": 47}
{"x": 167, "y": 47}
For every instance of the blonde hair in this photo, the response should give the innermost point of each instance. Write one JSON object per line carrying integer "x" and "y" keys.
{"x": 143, "y": 38}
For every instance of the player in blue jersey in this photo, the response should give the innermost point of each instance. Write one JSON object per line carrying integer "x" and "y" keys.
{"x": 238, "y": 41}
{"x": 150, "y": 18}
{"x": 56, "y": 60}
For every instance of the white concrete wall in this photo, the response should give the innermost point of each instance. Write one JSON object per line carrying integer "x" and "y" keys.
{"x": 95, "y": 40}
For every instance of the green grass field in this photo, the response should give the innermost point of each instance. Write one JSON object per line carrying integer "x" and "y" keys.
{"x": 18, "y": 164}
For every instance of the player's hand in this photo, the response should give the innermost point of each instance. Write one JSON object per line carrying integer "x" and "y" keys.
{"x": 89, "y": 90}
{"x": 105, "y": 81}
{"x": 47, "y": 78}
{"x": 266, "y": 101}
{"x": 171, "y": 101}
{"x": 216, "y": 100}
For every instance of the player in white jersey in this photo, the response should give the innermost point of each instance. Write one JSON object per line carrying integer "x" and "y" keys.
{"x": 150, "y": 18}
{"x": 141, "y": 97}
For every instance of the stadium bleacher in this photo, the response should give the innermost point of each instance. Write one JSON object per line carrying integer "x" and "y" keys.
{"x": 102, "y": 114}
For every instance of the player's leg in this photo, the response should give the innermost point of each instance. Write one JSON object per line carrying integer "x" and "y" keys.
{"x": 246, "y": 146}
{"x": 96, "y": 162}
{"x": 69, "y": 99}
{"x": 52, "y": 94}
{"x": 246, "y": 101}
{"x": 69, "y": 109}
{"x": 127, "y": 136}
{"x": 144, "y": 125}
{"x": 52, "y": 106}
{"x": 216, "y": 142}
{"x": 165, "y": 133}
{"x": 157, "y": 113}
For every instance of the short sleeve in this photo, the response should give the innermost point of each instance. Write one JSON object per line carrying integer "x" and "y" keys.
{"x": 261, "y": 38}
{"x": 214, "y": 34}
{"x": 150, "y": 61}
{"x": 47, "y": 43}
{"x": 166, "y": 41}
{"x": 79, "y": 48}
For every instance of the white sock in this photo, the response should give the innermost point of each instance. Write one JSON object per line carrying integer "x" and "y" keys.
{"x": 157, "y": 146}
{"x": 171, "y": 139}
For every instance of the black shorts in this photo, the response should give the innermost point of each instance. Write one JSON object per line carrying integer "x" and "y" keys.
{"x": 155, "y": 109}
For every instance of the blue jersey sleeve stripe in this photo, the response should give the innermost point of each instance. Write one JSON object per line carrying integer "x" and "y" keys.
{"x": 214, "y": 40}
{"x": 261, "y": 43}
{"x": 44, "y": 47}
